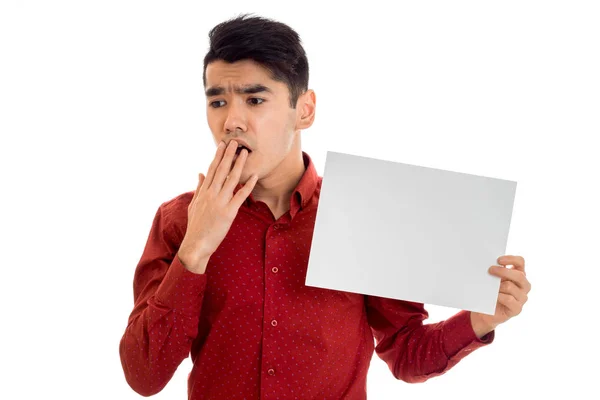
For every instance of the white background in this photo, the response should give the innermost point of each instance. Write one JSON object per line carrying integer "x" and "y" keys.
{"x": 102, "y": 118}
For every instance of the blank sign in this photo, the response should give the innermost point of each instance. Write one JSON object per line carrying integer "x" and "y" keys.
{"x": 410, "y": 232}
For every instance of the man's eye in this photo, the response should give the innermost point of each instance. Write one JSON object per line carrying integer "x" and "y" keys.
{"x": 212, "y": 104}
{"x": 251, "y": 100}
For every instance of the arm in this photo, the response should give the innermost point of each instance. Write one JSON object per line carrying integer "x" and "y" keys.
{"x": 164, "y": 320}
{"x": 414, "y": 351}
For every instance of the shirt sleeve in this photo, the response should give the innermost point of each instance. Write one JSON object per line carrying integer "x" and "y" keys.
{"x": 414, "y": 351}
{"x": 166, "y": 312}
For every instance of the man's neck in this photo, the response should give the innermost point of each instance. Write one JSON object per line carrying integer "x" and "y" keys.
{"x": 276, "y": 190}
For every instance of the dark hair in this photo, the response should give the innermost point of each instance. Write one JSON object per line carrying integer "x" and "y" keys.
{"x": 272, "y": 44}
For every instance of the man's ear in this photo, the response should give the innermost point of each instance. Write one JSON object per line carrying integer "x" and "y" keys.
{"x": 307, "y": 104}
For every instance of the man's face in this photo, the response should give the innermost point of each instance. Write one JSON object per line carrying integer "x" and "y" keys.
{"x": 244, "y": 102}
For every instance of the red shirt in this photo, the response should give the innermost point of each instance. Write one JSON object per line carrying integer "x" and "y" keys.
{"x": 255, "y": 331}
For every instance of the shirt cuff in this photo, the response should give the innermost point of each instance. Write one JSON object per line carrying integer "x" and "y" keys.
{"x": 459, "y": 338}
{"x": 181, "y": 289}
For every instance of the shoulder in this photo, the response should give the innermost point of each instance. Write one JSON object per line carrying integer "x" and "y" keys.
{"x": 318, "y": 188}
{"x": 174, "y": 214}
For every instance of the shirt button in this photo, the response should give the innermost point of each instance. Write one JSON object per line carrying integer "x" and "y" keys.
{"x": 271, "y": 372}
{"x": 274, "y": 269}
{"x": 275, "y": 226}
{"x": 274, "y": 323}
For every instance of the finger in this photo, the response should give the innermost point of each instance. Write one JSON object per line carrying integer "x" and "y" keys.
{"x": 200, "y": 180}
{"x": 243, "y": 193}
{"x": 224, "y": 167}
{"x": 511, "y": 274}
{"x": 517, "y": 262}
{"x": 214, "y": 164}
{"x": 234, "y": 176}
{"x": 508, "y": 287}
{"x": 509, "y": 302}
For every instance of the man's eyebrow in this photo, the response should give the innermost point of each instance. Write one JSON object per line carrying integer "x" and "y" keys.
{"x": 249, "y": 89}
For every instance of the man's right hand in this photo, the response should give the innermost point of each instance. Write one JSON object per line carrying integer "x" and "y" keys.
{"x": 213, "y": 207}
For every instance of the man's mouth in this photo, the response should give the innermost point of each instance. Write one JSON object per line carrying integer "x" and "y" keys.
{"x": 240, "y": 148}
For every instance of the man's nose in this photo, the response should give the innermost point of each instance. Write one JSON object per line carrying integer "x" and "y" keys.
{"x": 235, "y": 117}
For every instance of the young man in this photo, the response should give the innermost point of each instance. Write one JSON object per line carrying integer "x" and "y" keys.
{"x": 222, "y": 273}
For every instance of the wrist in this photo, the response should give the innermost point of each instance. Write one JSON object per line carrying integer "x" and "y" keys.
{"x": 195, "y": 265}
{"x": 480, "y": 327}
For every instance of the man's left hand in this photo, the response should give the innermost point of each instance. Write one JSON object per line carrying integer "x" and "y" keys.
{"x": 514, "y": 288}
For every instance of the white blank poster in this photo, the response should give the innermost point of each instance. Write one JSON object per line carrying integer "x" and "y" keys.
{"x": 409, "y": 232}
